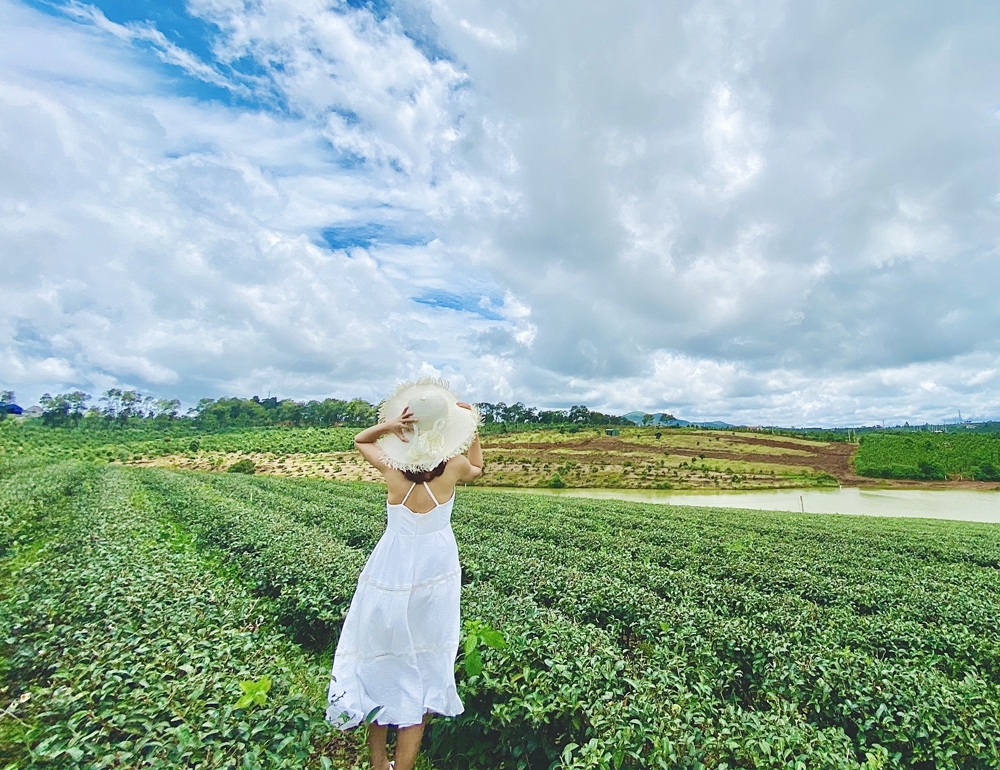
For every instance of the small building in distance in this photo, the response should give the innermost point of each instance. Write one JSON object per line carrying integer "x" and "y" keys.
{"x": 611, "y": 431}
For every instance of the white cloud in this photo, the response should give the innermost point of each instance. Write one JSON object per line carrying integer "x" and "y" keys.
{"x": 909, "y": 233}
{"x": 146, "y": 33}
{"x": 168, "y": 244}
{"x": 733, "y": 142}
{"x": 767, "y": 212}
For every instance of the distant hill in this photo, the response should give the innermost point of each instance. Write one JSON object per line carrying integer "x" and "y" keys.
{"x": 658, "y": 419}
{"x": 665, "y": 420}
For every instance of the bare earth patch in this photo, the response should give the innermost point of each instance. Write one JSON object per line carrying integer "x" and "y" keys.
{"x": 338, "y": 466}
{"x": 636, "y": 459}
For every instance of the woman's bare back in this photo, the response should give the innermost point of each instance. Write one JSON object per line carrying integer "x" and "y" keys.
{"x": 442, "y": 487}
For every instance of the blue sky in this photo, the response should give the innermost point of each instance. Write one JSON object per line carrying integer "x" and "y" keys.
{"x": 776, "y": 213}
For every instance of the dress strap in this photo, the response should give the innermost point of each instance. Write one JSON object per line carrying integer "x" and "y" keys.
{"x": 431, "y": 494}
{"x": 408, "y": 493}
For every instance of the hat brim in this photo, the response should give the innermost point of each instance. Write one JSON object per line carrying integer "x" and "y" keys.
{"x": 454, "y": 439}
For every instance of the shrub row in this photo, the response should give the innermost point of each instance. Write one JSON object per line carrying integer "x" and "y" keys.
{"x": 929, "y": 456}
{"x": 833, "y": 638}
{"x": 32, "y": 497}
{"x": 645, "y": 636}
{"x": 309, "y": 574}
{"x": 124, "y": 645}
{"x": 120, "y": 444}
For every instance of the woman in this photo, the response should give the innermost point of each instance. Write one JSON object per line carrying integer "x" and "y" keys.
{"x": 395, "y": 659}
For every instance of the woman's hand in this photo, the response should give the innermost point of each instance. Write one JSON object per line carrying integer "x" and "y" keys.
{"x": 464, "y": 405}
{"x": 402, "y": 425}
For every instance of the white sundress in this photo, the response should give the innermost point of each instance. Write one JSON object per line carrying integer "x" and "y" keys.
{"x": 397, "y": 648}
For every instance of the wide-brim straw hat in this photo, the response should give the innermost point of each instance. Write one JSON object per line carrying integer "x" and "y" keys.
{"x": 442, "y": 430}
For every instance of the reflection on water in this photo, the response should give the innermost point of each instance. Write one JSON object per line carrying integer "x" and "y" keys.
{"x": 962, "y": 505}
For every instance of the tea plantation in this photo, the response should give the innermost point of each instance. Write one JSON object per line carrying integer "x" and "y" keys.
{"x": 138, "y": 441}
{"x": 930, "y": 456}
{"x": 139, "y": 605}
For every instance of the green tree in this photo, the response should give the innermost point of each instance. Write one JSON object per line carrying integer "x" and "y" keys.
{"x": 289, "y": 412}
{"x": 166, "y": 409}
{"x": 233, "y": 412}
{"x": 65, "y": 409}
{"x": 360, "y": 413}
{"x": 323, "y": 414}
{"x": 112, "y": 400}
{"x": 579, "y": 414}
{"x": 131, "y": 406}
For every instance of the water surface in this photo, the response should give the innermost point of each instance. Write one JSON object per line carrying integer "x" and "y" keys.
{"x": 960, "y": 505}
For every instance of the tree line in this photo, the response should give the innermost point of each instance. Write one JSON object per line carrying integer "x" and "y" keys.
{"x": 520, "y": 414}
{"x": 118, "y": 407}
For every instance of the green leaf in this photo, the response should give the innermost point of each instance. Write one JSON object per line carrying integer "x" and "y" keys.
{"x": 254, "y": 692}
{"x": 473, "y": 663}
{"x": 493, "y": 638}
{"x": 370, "y": 716}
{"x": 470, "y": 643}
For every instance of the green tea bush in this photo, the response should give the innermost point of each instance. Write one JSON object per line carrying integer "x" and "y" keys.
{"x": 32, "y": 439}
{"x": 929, "y": 456}
{"x": 310, "y": 574}
{"x": 637, "y": 636}
{"x": 124, "y": 646}
{"x": 33, "y": 496}
{"x": 643, "y": 636}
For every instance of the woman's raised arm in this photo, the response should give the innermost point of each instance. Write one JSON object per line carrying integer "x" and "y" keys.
{"x": 474, "y": 455}
{"x": 364, "y": 442}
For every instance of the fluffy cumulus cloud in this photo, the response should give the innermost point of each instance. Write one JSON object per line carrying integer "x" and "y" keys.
{"x": 767, "y": 212}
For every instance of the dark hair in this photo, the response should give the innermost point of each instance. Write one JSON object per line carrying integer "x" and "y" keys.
{"x": 419, "y": 477}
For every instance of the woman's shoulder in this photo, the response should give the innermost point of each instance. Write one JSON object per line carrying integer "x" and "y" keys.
{"x": 457, "y": 467}
{"x": 395, "y": 480}
{"x": 460, "y": 470}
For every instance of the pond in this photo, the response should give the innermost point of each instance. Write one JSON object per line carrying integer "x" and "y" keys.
{"x": 960, "y": 505}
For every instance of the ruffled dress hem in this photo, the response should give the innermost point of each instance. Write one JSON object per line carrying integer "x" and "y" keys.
{"x": 386, "y": 717}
